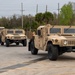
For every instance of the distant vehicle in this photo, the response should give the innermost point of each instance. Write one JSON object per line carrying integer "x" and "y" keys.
{"x": 1, "y": 28}
{"x": 13, "y": 36}
{"x": 54, "y": 39}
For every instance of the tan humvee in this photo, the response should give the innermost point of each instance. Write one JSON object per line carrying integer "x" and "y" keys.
{"x": 13, "y": 36}
{"x": 1, "y": 28}
{"x": 54, "y": 39}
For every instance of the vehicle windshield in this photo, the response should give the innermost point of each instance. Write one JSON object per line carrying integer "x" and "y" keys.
{"x": 71, "y": 30}
{"x": 10, "y": 32}
{"x": 18, "y": 32}
{"x": 1, "y": 28}
{"x": 55, "y": 30}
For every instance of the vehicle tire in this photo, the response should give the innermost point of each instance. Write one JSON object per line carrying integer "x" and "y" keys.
{"x": 52, "y": 52}
{"x": 17, "y": 43}
{"x": 7, "y": 43}
{"x": 24, "y": 42}
{"x": 2, "y": 43}
{"x": 33, "y": 50}
{"x": 0, "y": 39}
{"x": 29, "y": 46}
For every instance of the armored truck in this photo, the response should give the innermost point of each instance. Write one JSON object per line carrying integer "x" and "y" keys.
{"x": 10, "y": 36}
{"x": 54, "y": 39}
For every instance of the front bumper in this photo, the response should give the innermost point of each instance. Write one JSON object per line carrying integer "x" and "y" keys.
{"x": 16, "y": 38}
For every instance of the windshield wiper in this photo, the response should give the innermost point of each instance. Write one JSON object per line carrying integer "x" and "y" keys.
{"x": 67, "y": 29}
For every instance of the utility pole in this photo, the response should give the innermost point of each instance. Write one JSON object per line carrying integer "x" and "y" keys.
{"x": 37, "y": 9}
{"x": 58, "y": 12}
{"x": 46, "y": 8}
{"x": 22, "y": 13}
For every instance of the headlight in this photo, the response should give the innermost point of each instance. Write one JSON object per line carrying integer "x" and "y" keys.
{"x": 65, "y": 42}
{"x": 55, "y": 40}
{"x": 9, "y": 37}
{"x": 52, "y": 40}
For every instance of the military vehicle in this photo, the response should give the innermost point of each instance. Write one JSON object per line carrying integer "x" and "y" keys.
{"x": 54, "y": 39}
{"x": 1, "y": 28}
{"x": 13, "y": 36}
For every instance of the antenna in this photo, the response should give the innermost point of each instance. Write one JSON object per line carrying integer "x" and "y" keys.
{"x": 22, "y": 13}
{"x": 58, "y": 12}
{"x": 46, "y": 8}
{"x": 68, "y": 28}
{"x": 37, "y": 9}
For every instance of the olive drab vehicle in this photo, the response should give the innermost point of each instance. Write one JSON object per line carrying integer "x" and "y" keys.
{"x": 1, "y": 28}
{"x": 13, "y": 36}
{"x": 54, "y": 39}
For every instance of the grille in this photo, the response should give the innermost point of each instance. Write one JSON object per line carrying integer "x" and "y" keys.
{"x": 17, "y": 37}
{"x": 71, "y": 42}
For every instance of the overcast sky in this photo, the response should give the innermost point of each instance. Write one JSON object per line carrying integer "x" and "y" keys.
{"x": 11, "y": 7}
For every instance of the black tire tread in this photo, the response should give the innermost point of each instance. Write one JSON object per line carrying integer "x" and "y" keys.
{"x": 7, "y": 43}
{"x": 52, "y": 52}
{"x": 34, "y": 51}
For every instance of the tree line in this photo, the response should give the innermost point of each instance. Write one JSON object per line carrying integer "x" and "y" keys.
{"x": 65, "y": 17}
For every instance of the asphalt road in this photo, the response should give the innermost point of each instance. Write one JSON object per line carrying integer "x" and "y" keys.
{"x": 17, "y": 60}
{"x": 14, "y": 57}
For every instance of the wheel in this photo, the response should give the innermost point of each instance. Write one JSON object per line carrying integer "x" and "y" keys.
{"x": 2, "y": 43}
{"x": 0, "y": 39}
{"x": 17, "y": 43}
{"x": 33, "y": 50}
{"x": 52, "y": 52}
{"x": 7, "y": 43}
{"x": 29, "y": 46}
{"x": 24, "y": 42}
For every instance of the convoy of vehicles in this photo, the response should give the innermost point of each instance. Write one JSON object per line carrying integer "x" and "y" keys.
{"x": 54, "y": 39}
{"x": 17, "y": 36}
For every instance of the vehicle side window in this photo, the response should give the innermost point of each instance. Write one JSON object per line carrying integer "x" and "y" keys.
{"x": 39, "y": 32}
{"x": 55, "y": 30}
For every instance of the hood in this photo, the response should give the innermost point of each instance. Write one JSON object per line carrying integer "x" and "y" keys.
{"x": 21, "y": 35}
{"x": 9, "y": 35}
{"x": 69, "y": 36}
{"x": 15, "y": 35}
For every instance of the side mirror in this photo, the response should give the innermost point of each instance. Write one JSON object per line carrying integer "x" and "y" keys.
{"x": 39, "y": 33}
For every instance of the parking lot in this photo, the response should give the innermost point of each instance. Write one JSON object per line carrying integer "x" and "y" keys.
{"x": 17, "y": 60}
